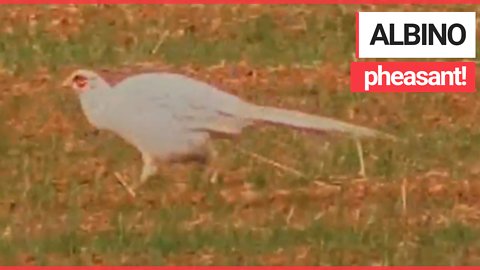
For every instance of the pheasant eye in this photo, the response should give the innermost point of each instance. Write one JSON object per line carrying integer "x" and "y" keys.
{"x": 80, "y": 81}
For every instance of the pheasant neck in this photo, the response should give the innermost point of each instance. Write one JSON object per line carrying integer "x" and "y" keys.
{"x": 92, "y": 103}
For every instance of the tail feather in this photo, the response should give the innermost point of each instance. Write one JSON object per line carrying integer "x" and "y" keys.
{"x": 305, "y": 121}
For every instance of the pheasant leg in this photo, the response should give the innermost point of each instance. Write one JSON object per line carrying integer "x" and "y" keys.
{"x": 148, "y": 170}
{"x": 360, "y": 158}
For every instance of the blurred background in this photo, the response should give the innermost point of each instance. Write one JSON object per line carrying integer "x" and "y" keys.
{"x": 60, "y": 203}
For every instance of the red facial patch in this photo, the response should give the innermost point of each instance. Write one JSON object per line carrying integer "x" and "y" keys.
{"x": 80, "y": 81}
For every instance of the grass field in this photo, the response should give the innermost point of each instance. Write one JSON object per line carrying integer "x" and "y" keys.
{"x": 60, "y": 203}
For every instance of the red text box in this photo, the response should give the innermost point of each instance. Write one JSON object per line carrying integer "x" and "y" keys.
{"x": 430, "y": 77}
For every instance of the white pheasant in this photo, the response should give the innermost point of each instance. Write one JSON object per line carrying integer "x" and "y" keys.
{"x": 171, "y": 117}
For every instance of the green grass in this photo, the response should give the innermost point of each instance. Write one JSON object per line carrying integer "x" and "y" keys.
{"x": 337, "y": 245}
{"x": 69, "y": 209}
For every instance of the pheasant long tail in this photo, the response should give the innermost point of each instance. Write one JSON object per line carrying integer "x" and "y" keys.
{"x": 310, "y": 122}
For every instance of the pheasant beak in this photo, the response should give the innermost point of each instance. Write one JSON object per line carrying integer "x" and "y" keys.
{"x": 67, "y": 82}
